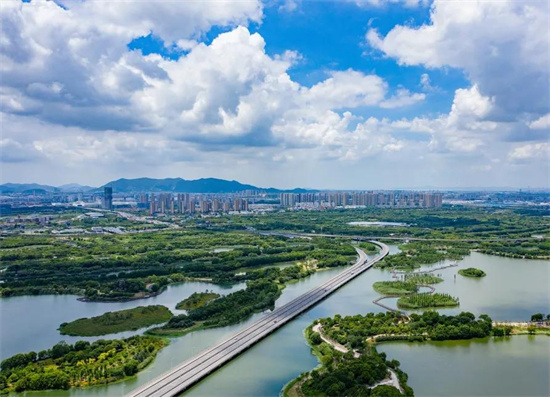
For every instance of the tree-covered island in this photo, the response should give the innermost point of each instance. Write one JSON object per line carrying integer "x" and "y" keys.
{"x": 426, "y": 300}
{"x": 410, "y": 284}
{"x": 395, "y": 287}
{"x": 258, "y": 296}
{"x": 119, "y": 321}
{"x": 472, "y": 272}
{"x": 422, "y": 278}
{"x": 351, "y": 365}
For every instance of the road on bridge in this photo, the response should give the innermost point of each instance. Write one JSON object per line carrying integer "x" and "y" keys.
{"x": 195, "y": 369}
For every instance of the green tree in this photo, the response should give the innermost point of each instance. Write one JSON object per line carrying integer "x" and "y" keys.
{"x": 385, "y": 391}
{"x": 131, "y": 368}
{"x": 537, "y": 317}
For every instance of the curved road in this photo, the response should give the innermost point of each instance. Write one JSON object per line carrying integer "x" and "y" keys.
{"x": 195, "y": 369}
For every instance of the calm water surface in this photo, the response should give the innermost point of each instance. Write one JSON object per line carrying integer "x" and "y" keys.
{"x": 31, "y": 322}
{"x": 512, "y": 290}
{"x": 512, "y": 366}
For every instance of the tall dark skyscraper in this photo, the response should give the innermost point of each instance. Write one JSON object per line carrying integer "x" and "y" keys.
{"x": 108, "y": 198}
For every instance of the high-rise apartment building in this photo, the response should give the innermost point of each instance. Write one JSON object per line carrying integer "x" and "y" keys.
{"x": 108, "y": 198}
{"x": 237, "y": 204}
{"x": 369, "y": 199}
{"x": 191, "y": 205}
{"x": 204, "y": 205}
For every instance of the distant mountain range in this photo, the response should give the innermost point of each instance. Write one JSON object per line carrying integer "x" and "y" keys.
{"x": 179, "y": 185}
{"x": 41, "y": 189}
{"x": 174, "y": 185}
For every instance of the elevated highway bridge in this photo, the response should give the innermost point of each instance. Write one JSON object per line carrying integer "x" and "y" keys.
{"x": 197, "y": 368}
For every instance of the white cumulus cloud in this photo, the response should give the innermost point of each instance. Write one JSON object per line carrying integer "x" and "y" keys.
{"x": 503, "y": 46}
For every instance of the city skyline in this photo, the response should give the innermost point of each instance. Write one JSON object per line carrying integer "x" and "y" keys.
{"x": 330, "y": 95}
{"x": 266, "y": 186}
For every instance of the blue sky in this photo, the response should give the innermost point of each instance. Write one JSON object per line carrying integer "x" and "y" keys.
{"x": 330, "y": 36}
{"x": 362, "y": 94}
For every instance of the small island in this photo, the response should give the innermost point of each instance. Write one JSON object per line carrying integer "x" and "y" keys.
{"x": 426, "y": 300}
{"x": 423, "y": 279}
{"x": 394, "y": 287}
{"x": 472, "y": 272}
{"x": 119, "y": 321}
{"x": 79, "y": 365}
{"x": 196, "y": 300}
{"x": 350, "y": 363}
{"x": 408, "y": 286}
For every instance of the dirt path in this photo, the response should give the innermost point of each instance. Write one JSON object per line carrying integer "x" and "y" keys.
{"x": 333, "y": 343}
{"x": 393, "y": 380}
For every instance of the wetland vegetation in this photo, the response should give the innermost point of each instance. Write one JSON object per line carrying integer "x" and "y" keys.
{"x": 132, "y": 266}
{"x": 345, "y": 375}
{"x": 395, "y": 287}
{"x": 119, "y": 321}
{"x": 422, "y": 278}
{"x": 196, "y": 300}
{"x": 138, "y": 265}
{"x": 426, "y": 300}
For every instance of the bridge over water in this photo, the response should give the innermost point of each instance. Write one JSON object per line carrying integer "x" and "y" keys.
{"x": 196, "y": 368}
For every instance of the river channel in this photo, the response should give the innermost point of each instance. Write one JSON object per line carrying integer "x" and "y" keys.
{"x": 513, "y": 290}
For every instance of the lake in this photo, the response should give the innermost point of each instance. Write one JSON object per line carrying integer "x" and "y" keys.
{"x": 512, "y": 290}
{"x": 31, "y": 322}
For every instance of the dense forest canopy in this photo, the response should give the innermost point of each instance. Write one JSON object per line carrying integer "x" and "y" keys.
{"x": 82, "y": 364}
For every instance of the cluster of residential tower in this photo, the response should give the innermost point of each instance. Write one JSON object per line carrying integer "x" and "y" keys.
{"x": 365, "y": 199}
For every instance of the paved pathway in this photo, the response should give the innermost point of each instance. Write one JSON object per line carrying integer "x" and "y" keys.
{"x": 391, "y": 380}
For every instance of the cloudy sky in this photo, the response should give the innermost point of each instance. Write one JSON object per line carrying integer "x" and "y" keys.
{"x": 362, "y": 94}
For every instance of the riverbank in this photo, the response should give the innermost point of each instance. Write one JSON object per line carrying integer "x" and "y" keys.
{"x": 523, "y": 328}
